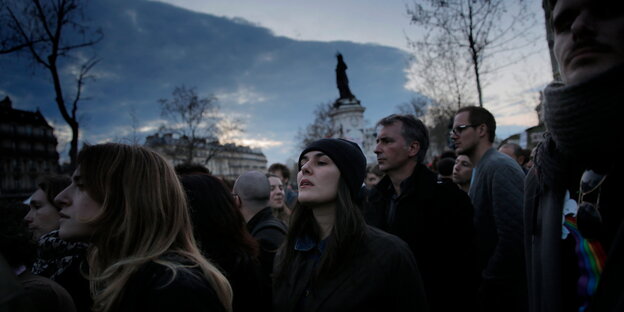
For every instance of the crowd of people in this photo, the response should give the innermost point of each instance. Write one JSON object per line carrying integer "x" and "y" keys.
{"x": 482, "y": 228}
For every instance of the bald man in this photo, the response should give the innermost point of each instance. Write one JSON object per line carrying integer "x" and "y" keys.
{"x": 516, "y": 152}
{"x": 252, "y": 191}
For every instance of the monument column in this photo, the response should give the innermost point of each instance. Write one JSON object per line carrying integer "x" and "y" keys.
{"x": 347, "y": 114}
{"x": 348, "y": 121}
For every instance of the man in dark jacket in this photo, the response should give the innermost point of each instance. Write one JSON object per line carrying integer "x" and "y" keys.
{"x": 573, "y": 212}
{"x": 251, "y": 193}
{"x": 434, "y": 219}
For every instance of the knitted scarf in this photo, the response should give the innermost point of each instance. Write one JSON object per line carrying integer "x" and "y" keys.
{"x": 583, "y": 133}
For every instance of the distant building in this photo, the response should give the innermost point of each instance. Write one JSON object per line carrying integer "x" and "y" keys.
{"x": 223, "y": 160}
{"x": 530, "y": 137}
{"x": 27, "y": 150}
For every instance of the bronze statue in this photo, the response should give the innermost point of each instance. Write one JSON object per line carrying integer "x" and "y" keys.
{"x": 342, "y": 81}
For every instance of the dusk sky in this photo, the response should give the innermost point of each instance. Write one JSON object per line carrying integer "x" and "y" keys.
{"x": 269, "y": 63}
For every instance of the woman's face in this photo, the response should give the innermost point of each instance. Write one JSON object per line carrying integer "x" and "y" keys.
{"x": 317, "y": 179}
{"x": 277, "y": 192}
{"x": 77, "y": 209}
{"x": 42, "y": 217}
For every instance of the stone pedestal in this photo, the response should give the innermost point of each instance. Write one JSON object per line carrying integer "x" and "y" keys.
{"x": 348, "y": 121}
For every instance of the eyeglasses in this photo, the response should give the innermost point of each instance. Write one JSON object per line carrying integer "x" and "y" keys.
{"x": 459, "y": 129}
{"x": 588, "y": 217}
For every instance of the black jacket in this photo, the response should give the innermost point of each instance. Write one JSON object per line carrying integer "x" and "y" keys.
{"x": 435, "y": 220}
{"x": 151, "y": 289}
{"x": 270, "y": 232}
{"x": 382, "y": 277}
{"x": 251, "y": 288}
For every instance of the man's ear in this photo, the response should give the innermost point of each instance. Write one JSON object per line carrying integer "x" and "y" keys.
{"x": 237, "y": 201}
{"x": 413, "y": 148}
{"x": 482, "y": 130}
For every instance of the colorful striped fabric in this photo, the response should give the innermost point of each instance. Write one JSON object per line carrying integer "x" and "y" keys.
{"x": 591, "y": 259}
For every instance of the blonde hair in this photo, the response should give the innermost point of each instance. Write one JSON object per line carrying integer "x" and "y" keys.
{"x": 143, "y": 216}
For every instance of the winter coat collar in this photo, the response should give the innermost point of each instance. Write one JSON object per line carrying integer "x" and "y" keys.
{"x": 418, "y": 183}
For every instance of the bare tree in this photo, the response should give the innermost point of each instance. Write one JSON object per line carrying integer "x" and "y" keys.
{"x": 550, "y": 37}
{"x": 436, "y": 115}
{"x": 469, "y": 33}
{"x": 229, "y": 128}
{"x": 134, "y": 127}
{"x": 417, "y": 106}
{"x": 439, "y": 119}
{"x": 439, "y": 71}
{"x": 320, "y": 128}
{"x": 193, "y": 119}
{"x": 47, "y": 31}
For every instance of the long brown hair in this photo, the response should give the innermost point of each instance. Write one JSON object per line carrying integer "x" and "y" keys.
{"x": 143, "y": 216}
{"x": 347, "y": 236}
{"x": 219, "y": 226}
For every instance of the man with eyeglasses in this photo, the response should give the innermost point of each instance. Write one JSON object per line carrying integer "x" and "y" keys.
{"x": 496, "y": 191}
{"x": 574, "y": 213}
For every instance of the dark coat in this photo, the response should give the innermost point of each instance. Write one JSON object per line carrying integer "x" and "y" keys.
{"x": 270, "y": 232}
{"x": 65, "y": 263}
{"x": 551, "y": 262}
{"x": 269, "y": 237}
{"x": 383, "y": 276}
{"x": 151, "y": 289}
{"x": 75, "y": 282}
{"x": 46, "y": 294}
{"x": 435, "y": 220}
{"x": 251, "y": 288}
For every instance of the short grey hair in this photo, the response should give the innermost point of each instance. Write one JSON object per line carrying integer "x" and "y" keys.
{"x": 253, "y": 186}
{"x": 412, "y": 129}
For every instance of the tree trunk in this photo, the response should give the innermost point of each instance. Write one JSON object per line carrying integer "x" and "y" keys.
{"x": 71, "y": 120}
{"x": 474, "y": 51}
{"x": 550, "y": 39}
{"x": 478, "y": 79}
{"x": 190, "y": 150}
{"x": 73, "y": 149}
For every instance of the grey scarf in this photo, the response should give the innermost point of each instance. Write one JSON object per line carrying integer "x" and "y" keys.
{"x": 583, "y": 133}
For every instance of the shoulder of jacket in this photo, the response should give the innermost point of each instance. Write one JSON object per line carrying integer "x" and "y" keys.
{"x": 270, "y": 223}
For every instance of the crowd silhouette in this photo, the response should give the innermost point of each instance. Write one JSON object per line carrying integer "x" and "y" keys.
{"x": 480, "y": 228}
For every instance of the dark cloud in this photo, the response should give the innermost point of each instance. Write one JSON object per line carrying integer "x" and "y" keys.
{"x": 151, "y": 47}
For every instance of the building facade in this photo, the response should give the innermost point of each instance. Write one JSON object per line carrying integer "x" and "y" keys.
{"x": 27, "y": 150}
{"x": 227, "y": 161}
{"x": 532, "y": 136}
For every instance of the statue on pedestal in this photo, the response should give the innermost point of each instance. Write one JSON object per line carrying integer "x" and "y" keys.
{"x": 343, "y": 83}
